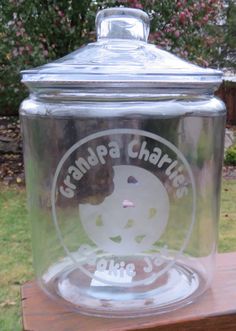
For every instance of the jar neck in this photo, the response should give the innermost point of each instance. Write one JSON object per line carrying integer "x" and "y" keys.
{"x": 119, "y": 94}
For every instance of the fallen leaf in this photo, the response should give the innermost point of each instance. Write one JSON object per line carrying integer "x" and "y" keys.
{"x": 18, "y": 180}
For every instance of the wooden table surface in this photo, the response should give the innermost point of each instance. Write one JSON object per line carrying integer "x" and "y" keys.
{"x": 214, "y": 311}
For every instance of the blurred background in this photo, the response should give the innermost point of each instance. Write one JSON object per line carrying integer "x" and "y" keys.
{"x": 33, "y": 32}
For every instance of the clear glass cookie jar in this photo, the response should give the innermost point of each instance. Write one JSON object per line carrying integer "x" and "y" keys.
{"x": 123, "y": 147}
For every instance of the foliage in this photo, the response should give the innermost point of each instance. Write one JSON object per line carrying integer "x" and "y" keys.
{"x": 34, "y": 32}
{"x": 230, "y": 156}
{"x": 187, "y": 28}
{"x": 230, "y": 35}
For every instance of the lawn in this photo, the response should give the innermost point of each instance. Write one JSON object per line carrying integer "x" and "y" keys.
{"x": 15, "y": 253}
{"x": 15, "y": 256}
{"x": 227, "y": 233}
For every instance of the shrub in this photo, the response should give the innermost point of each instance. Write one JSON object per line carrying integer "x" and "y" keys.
{"x": 230, "y": 156}
{"x": 34, "y": 32}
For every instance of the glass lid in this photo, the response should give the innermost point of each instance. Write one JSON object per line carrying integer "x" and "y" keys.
{"x": 121, "y": 57}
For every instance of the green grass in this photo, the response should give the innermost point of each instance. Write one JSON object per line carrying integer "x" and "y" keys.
{"x": 15, "y": 247}
{"x": 227, "y": 232}
{"x": 15, "y": 256}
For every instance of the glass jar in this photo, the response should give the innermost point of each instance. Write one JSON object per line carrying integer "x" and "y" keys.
{"x": 123, "y": 146}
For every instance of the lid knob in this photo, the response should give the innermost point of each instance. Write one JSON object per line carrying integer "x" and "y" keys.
{"x": 122, "y": 23}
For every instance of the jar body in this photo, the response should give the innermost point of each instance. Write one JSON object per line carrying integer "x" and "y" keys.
{"x": 124, "y": 200}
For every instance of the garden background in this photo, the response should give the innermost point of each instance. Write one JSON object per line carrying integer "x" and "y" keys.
{"x": 34, "y": 32}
